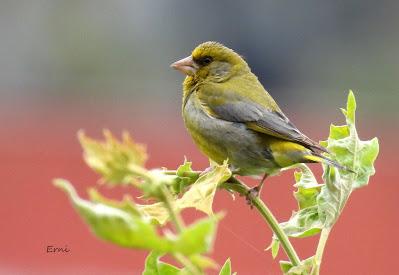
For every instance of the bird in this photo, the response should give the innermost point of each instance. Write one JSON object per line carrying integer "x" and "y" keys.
{"x": 230, "y": 116}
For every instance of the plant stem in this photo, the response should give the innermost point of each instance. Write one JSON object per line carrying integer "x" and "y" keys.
{"x": 187, "y": 263}
{"x": 174, "y": 216}
{"x": 242, "y": 189}
{"x": 320, "y": 249}
{"x": 190, "y": 174}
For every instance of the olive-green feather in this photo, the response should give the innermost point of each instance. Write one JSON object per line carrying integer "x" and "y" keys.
{"x": 256, "y": 109}
{"x": 231, "y": 116}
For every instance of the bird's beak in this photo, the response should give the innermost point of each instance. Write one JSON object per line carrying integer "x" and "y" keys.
{"x": 186, "y": 66}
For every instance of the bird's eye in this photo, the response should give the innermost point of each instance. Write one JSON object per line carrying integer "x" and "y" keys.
{"x": 206, "y": 60}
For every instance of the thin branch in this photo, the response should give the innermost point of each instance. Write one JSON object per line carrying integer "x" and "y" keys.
{"x": 174, "y": 215}
{"x": 242, "y": 189}
{"x": 320, "y": 249}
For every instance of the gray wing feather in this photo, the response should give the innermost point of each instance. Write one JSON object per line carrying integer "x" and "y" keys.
{"x": 238, "y": 111}
{"x": 274, "y": 122}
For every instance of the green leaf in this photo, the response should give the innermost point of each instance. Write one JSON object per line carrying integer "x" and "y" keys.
{"x": 306, "y": 197}
{"x": 156, "y": 212}
{"x": 320, "y": 205}
{"x": 303, "y": 223}
{"x": 333, "y": 196}
{"x": 308, "y": 187}
{"x": 226, "y": 269}
{"x": 127, "y": 204}
{"x": 367, "y": 154}
{"x": 303, "y": 269}
{"x": 114, "y": 224}
{"x": 350, "y": 108}
{"x": 167, "y": 269}
{"x": 274, "y": 247}
{"x": 199, "y": 196}
{"x": 113, "y": 159}
{"x": 184, "y": 169}
{"x": 285, "y": 266}
{"x": 185, "y": 176}
{"x": 347, "y": 149}
{"x": 202, "y": 192}
{"x": 198, "y": 237}
{"x": 153, "y": 182}
{"x": 153, "y": 266}
{"x": 122, "y": 162}
{"x": 123, "y": 224}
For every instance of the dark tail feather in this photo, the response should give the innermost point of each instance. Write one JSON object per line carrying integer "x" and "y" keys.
{"x": 315, "y": 157}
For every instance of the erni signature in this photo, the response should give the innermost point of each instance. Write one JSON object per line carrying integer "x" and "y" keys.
{"x": 57, "y": 249}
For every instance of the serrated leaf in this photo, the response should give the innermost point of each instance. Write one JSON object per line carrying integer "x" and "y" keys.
{"x": 114, "y": 224}
{"x": 183, "y": 169}
{"x": 305, "y": 177}
{"x": 333, "y": 196}
{"x": 153, "y": 266}
{"x": 285, "y": 266}
{"x": 199, "y": 237}
{"x": 304, "y": 268}
{"x": 118, "y": 224}
{"x": 339, "y": 132}
{"x": 308, "y": 187}
{"x": 367, "y": 154}
{"x": 127, "y": 204}
{"x": 306, "y": 197}
{"x": 200, "y": 195}
{"x": 184, "y": 177}
{"x": 153, "y": 182}
{"x": 156, "y": 212}
{"x": 202, "y": 192}
{"x": 321, "y": 204}
{"x": 122, "y": 162}
{"x": 351, "y": 152}
{"x": 111, "y": 158}
{"x": 226, "y": 269}
{"x": 303, "y": 223}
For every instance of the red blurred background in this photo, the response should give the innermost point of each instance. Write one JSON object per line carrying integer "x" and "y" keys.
{"x": 35, "y": 214}
{"x": 70, "y": 65}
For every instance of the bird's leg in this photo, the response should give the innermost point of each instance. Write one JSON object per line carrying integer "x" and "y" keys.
{"x": 255, "y": 191}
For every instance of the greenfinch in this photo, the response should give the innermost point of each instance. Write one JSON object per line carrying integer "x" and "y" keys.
{"x": 230, "y": 115}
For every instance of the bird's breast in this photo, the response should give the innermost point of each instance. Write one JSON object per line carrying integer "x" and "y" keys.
{"x": 207, "y": 132}
{"x": 221, "y": 140}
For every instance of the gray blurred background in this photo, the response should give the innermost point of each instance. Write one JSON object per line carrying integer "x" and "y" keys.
{"x": 306, "y": 55}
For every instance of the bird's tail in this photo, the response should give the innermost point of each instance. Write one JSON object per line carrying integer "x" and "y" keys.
{"x": 316, "y": 157}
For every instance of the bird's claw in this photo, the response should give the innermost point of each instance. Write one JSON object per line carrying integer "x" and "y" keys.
{"x": 252, "y": 194}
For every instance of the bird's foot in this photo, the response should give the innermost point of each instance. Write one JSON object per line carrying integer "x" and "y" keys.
{"x": 252, "y": 194}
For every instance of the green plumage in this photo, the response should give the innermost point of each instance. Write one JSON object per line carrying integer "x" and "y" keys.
{"x": 231, "y": 116}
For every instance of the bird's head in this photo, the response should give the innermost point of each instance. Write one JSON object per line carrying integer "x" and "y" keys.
{"x": 212, "y": 61}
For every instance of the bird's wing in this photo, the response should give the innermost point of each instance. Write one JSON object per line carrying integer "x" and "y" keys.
{"x": 232, "y": 106}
